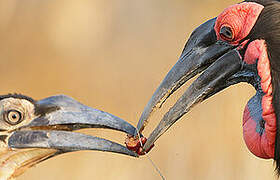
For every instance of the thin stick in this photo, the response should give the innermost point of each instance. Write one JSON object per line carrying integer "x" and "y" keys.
{"x": 150, "y": 159}
{"x": 155, "y": 166}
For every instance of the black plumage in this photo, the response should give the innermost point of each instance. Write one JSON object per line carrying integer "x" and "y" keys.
{"x": 267, "y": 27}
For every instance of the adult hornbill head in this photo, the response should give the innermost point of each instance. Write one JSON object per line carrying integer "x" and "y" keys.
{"x": 32, "y": 131}
{"x": 239, "y": 45}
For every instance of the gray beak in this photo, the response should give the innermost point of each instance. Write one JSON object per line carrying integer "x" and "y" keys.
{"x": 217, "y": 61}
{"x": 57, "y": 117}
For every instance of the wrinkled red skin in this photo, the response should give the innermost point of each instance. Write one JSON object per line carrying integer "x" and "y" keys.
{"x": 261, "y": 145}
{"x": 133, "y": 143}
{"x": 241, "y": 18}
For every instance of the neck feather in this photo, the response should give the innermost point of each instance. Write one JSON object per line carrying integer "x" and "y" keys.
{"x": 15, "y": 162}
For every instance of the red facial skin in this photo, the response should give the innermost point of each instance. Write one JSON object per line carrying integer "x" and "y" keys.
{"x": 260, "y": 145}
{"x": 241, "y": 18}
{"x": 133, "y": 143}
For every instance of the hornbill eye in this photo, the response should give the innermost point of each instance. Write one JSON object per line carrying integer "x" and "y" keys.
{"x": 13, "y": 117}
{"x": 226, "y": 33}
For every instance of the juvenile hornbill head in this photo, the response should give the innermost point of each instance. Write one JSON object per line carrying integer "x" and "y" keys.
{"x": 32, "y": 131}
{"x": 239, "y": 45}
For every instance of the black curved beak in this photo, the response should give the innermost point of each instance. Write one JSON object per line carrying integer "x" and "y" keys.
{"x": 219, "y": 63}
{"x": 57, "y": 117}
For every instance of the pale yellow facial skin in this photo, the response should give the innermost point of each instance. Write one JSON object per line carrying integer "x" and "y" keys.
{"x": 14, "y": 162}
{"x": 21, "y": 105}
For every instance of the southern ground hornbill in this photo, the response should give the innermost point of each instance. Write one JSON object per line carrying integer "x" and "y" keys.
{"x": 33, "y": 131}
{"x": 239, "y": 45}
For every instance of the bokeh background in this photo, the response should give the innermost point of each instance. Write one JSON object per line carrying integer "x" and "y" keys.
{"x": 111, "y": 55}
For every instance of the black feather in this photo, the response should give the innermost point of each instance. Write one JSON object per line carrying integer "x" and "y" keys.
{"x": 17, "y": 96}
{"x": 267, "y": 27}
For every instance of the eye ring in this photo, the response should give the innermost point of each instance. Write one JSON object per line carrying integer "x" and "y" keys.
{"x": 226, "y": 33}
{"x": 13, "y": 117}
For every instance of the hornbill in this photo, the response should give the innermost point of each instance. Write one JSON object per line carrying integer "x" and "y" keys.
{"x": 239, "y": 45}
{"x": 33, "y": 131}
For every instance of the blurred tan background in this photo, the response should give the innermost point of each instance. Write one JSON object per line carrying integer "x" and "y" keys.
{"x": 112, "y": 55}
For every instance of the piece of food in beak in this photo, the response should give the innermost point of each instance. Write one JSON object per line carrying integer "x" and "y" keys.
{"x": 136, "y": 144}
{"x": 32, "y": 131}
